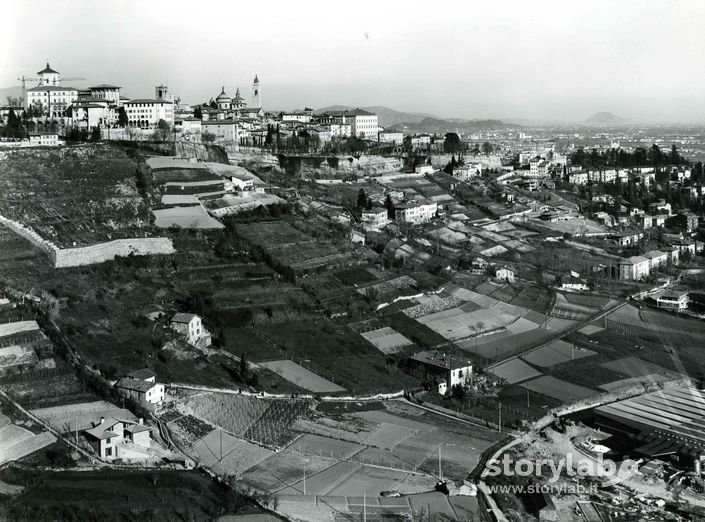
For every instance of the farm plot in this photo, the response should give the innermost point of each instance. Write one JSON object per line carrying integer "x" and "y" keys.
{"x": 234, "y": 413}
{"x": 387, "y": 340}
{"x": 232, "y": 204}
{"x": 17, "y": 356}
{"x": 76, "y": 196}
{"x": 635, "y": 367}
{"x": 236, "y": 457}
{"x": 16, "y": 442}
{"x": 18, "y": 327}
{"x": 325, "y": 447}
{"x": 158, "y": 163}
{"x": 194, "y": 216}
{"x": 428, "y": 304}
{"x": 323, "y": 482}
{"x": 67, "y": 418}
{"x": 555, "y": 353}
{"x": 455, "y": 324}
{"x": 373, "y": 481}
{"x": 590, "y": 329}
{"x": 515, "y": 370}
{"x": 284, "y": 469}
{"x": 302, "y": 377}
{"x": 631, "y": 381}
{"x": 558, "y": 389}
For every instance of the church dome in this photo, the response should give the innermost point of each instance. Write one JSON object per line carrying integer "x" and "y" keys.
{"x": 222, "y": 97}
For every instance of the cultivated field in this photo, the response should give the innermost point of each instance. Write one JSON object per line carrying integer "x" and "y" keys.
{"x": 387, "y": 340}
{"x": 635, "y": 367}
{"x": 237, "y": 455}
{"x": 17, "y": 442}
{"x": 555, "y": 353}
{"x": 74, "y": 196}
{"x": 302, "y": 377}
{"x": 194, "y": 216}
{"x": 515, "y": 370}
{"x": 557, "y": 389}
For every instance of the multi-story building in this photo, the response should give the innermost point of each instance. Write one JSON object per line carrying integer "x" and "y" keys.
{"x": 634, "y": 268}
{"x": 50, "y": 97}
{"x": 146, "y": 113}
{"x": 578, "y": 178}
{"x": 673, "y": 300}
{"x": 363, "y": 124}
{"x": 396, "y": 138}
{"x": 415, "y": 212}
{"x": 375, "y": 218}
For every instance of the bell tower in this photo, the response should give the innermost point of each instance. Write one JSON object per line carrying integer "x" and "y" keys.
{"x": 256, "y": 96}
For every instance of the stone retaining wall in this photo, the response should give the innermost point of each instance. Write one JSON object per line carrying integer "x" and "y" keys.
{"x": 88, "y": 255}
{"x": 101, "y": 252}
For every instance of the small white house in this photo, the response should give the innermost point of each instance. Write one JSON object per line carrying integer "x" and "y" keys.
{"x": 424, "y": 169}
{"x": 191, "y": 327}
{"x": 673, "y": 300}
{"x": 142, "y": 387}
{"x": 505, "y": 274}
{"x": 107, "y": 436}
{"x": 39, "y": 139}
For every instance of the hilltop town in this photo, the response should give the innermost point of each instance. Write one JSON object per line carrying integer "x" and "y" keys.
{"x": 322, "y": 315}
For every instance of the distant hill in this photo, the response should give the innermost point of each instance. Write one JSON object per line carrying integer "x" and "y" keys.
{"x": 438, "y": 125}
{"x": 605, "y": 117}
{"x": 387, "y": 116}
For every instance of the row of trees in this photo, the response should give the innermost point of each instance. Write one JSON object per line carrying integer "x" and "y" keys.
{"x": 620, "y": 158}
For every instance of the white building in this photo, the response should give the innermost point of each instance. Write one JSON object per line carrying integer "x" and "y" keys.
{"x": 673, "y": 300}
{"x": 416, "y": 212}
{"x": 296, "y": 116}
{"x": 191, "y": 327}
{"x": 396, "y": 138}
{"x": 142, "y": 387}
{"x": 38, "y": 139}
{"x": 468, "y": 171}
{"x": 424, "y": 169}
{"x": 224, "y": 130}
{"x": 146, "y": 113}
{"x": 538, "y": 168}
{"x": 446, "y": 370}
{"x": 634, "y": 268}
{"x": 375, "y": 218}
{"x": 242, "y": 182}
{"x": 578, "y": 178}
{"x": 656, "y": 259}
{"x": 505, "y": 274}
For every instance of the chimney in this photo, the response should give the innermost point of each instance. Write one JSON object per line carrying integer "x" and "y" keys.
{"x": 140, "y": 421}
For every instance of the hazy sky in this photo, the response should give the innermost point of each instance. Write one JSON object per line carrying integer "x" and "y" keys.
{"x": 640, "y": 59}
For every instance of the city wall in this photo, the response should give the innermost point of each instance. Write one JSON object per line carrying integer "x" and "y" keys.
{"x": 312, "y": 165}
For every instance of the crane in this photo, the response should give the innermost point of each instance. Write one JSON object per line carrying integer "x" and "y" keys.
{"x": 25, "y": 79}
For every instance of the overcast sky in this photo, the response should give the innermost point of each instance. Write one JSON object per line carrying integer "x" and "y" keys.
{"x": 640, "y": 59}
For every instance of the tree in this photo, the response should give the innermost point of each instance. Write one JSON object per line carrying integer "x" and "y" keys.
{"x": 243, "y": 366}
{"x": 406, "y": 144}
{"x": 198, "y": 113}
{"x": 361, "y": 199}
{"x": 452, "y": 143}
{"x": 458, "y": 392}
{"x": 486, "y": 148}
{"x": 95, "y": 134}
{"x": 122, "y": 117}
{"x": 389, "y": 205}
{"x": 207, "y": 137}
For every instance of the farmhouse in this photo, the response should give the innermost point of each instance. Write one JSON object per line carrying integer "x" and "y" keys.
{"x": 442, "y": 368}
{"x": 142, "y": 387}
{"x": 191, "y": 326}
{"x": 573, "y": 282}
{"x": 656, "y": 258}
{"x": 673, "y": 300}
{"x": 106, "y": 436}
{"x": 505, "y": 274}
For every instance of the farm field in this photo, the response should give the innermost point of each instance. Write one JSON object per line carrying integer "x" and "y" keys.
{"x": 515, "y": 370}
{"x": 373, "y": 481}
{"x": 635, "y": 367}
{"x": 555, "y": 353}
{"x": 194, "y": 216}
{"x": 387, "y": 340}
{"x": 264, "y": 421}
{"x": 78, "y": 195}
{"x": 590, "y": 329}
{"x": 17, "y": 442}
{"x": 318, "y": 445}
{"x": 557, "y": 389}
{"x": 283, "y": 469}
{"x": 302, "y": 377}
{"x": 237, "y": 455}
{"x": 65, "y": 418}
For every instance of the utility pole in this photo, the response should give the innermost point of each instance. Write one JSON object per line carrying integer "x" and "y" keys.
{"x": 440, "y": 471}
{"x": 500, "y": 417}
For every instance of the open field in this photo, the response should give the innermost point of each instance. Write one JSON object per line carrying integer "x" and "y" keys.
{"x": 66, "y": 418}
{"x": 515, "y": 370}
{"x": 557, "y": 389}
{"x": 284, "y": 469}
{"x": 194, "y": 216}
{"x": 237, "y": 455}
{"x": 325, "y": 447}
{"x": 302, "y": 377}
{"x": 387, "y": 340}
{"x": 635, "y": 367}
{"x": 555, "y": 353}
{"x": 153, "y": 495}
{"x": 75, "y": 196}
{"x": 17, "y": 442}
